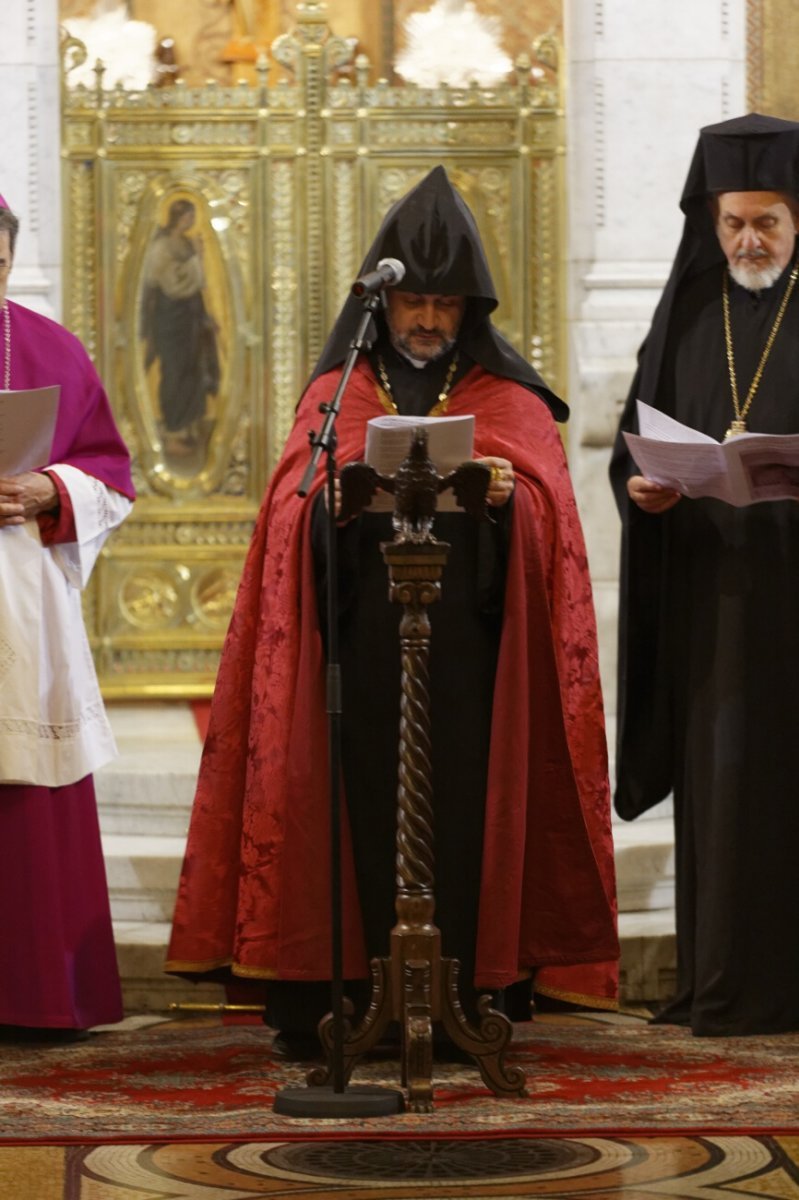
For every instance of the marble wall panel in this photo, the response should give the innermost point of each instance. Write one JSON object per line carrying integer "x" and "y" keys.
{"x": 632, "y": 173}
{"x": 598, "y": 510}
{"x": 606, "y": 609}
{"x": 30, "y": 159}
{"x": 640, "y": 83}
{"x": 19, "y": 32}
{"x": 679, "y": 31}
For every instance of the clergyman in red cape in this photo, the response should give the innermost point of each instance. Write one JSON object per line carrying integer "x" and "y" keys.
{"x": 524, "y": 880}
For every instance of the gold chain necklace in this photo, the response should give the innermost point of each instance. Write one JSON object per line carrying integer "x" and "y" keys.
{"x": 386, "y": 398}
{"x": 739, "y": 424}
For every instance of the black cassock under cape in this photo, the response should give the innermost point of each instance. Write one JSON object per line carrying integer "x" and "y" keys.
{"x": 709, "y": 703}
{"x": 465, "y": 629}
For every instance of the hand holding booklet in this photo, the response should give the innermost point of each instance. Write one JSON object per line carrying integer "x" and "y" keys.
{"x": 27, "y": 425}
{"x": 743, "y": 470}
{"x": 450, "y": 442}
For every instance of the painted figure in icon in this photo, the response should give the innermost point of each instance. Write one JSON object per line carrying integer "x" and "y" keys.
{"x": 178, "y": 331}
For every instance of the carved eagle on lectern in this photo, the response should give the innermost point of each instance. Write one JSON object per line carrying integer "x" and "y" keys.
{"x": 415, "y": 487}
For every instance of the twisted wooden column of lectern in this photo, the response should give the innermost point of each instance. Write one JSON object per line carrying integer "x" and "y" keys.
{"x": 415, "y": 986}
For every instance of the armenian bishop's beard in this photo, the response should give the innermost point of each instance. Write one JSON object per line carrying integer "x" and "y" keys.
{"x": 423, "y": 345}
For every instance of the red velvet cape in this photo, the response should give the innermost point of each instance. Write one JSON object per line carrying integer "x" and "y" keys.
{"x": 254, "y": 891}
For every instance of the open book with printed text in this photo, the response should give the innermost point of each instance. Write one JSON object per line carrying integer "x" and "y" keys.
{"x": 743, "y": 470}
{"x": 450, "y": 442}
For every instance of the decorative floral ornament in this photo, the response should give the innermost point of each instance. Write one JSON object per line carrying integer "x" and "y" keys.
{"x": 126, "y": 49}
{"x": 452, "y": 43}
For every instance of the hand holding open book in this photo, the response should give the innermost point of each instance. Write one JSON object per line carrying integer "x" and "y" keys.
{"x": 743, "y": 470}
{"x": 450, "y": 442}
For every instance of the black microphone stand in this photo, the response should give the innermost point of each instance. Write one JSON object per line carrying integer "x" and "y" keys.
{"x": 338, "y": 1099}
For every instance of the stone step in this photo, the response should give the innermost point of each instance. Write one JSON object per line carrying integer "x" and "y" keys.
{"x": 141, "y": 952}
{"x": 647, "y": 968}
{"x": 142, "y": 874}
{"x": 149, "y": 788}
{"x": 644, "y": 855}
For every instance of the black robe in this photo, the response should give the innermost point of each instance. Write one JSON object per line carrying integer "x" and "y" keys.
{"x": 708, "y": 704}
{"x": 465, "y": 631}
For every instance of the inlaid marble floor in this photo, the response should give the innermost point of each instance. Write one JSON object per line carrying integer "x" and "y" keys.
{"x": 702, "y": 1168}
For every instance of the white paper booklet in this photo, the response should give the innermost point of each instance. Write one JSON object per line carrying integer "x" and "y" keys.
{"x": 27, "y": 425}
{"x": 744, "y": 470}
{"x": 450, "y": 442}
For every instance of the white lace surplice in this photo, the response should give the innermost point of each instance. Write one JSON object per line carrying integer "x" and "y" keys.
{"x": 53, "y": 726}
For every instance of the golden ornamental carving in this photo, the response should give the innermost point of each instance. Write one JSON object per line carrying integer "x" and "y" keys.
{"x": 195, "y": 533}
{"x": 149, "y": 599}
{"x": 401, "y": 133}
{"x": 160, "y": 670}
{"x": 182, "y": 133}
{"x": 312, "y": 40}
{"x": 285, "y": 181}
{"x": 213, "y": 596}
{"x": 546, "y": 51}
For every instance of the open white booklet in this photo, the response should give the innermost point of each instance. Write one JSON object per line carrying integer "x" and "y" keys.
{"x": 27, "y": 425}
{"x": 450, "y": 442}
{"x": 744, "y": 470}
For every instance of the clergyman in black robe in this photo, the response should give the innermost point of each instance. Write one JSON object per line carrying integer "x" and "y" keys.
{"x": 709, "y": 637}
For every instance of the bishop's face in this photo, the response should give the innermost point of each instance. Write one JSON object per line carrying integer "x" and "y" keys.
{"x": 756, "y": 231}
{"x": 423, "y": 326}
{"x": 6, "y": 259}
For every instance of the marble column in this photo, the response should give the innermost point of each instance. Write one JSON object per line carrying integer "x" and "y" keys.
{"x": 642, "y": 78}
{"x": 30, "y": 163}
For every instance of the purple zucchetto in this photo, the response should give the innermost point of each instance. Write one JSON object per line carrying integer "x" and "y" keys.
{"x": 4, "y": 203}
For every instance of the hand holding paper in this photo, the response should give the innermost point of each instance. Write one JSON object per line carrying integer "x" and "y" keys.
{"x": 744, "y": 470}
{"x": 27, "y": 425}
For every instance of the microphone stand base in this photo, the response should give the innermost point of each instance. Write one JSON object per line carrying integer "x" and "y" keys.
{"x": 318, "y": 1103}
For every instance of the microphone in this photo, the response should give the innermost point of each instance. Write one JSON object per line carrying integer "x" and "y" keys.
{"x": 390, "y": 271}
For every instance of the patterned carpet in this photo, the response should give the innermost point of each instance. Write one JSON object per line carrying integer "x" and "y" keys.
{"x": 680, "y": 1168}
{"x": 588, "y": 1075}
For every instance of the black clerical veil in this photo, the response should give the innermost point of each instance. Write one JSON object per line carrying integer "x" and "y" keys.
{"x": 434, "y": 235}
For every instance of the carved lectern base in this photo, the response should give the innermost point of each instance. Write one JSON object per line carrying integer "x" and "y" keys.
{"x": 416, "y": 992}
{"x": 415, "y": 986}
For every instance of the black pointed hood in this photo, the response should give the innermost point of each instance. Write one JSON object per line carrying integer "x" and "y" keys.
{"x": 434, "y": 236}
{"x": 432, "y": 232}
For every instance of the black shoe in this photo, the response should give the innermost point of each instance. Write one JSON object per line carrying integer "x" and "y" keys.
{"x": 296, "y": 1047}
{"x": 672, "y": 1016}
{"x": 43, "y": 1035}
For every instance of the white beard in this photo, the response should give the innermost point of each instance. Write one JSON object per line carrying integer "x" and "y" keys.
{"x": 754, "y": 278}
